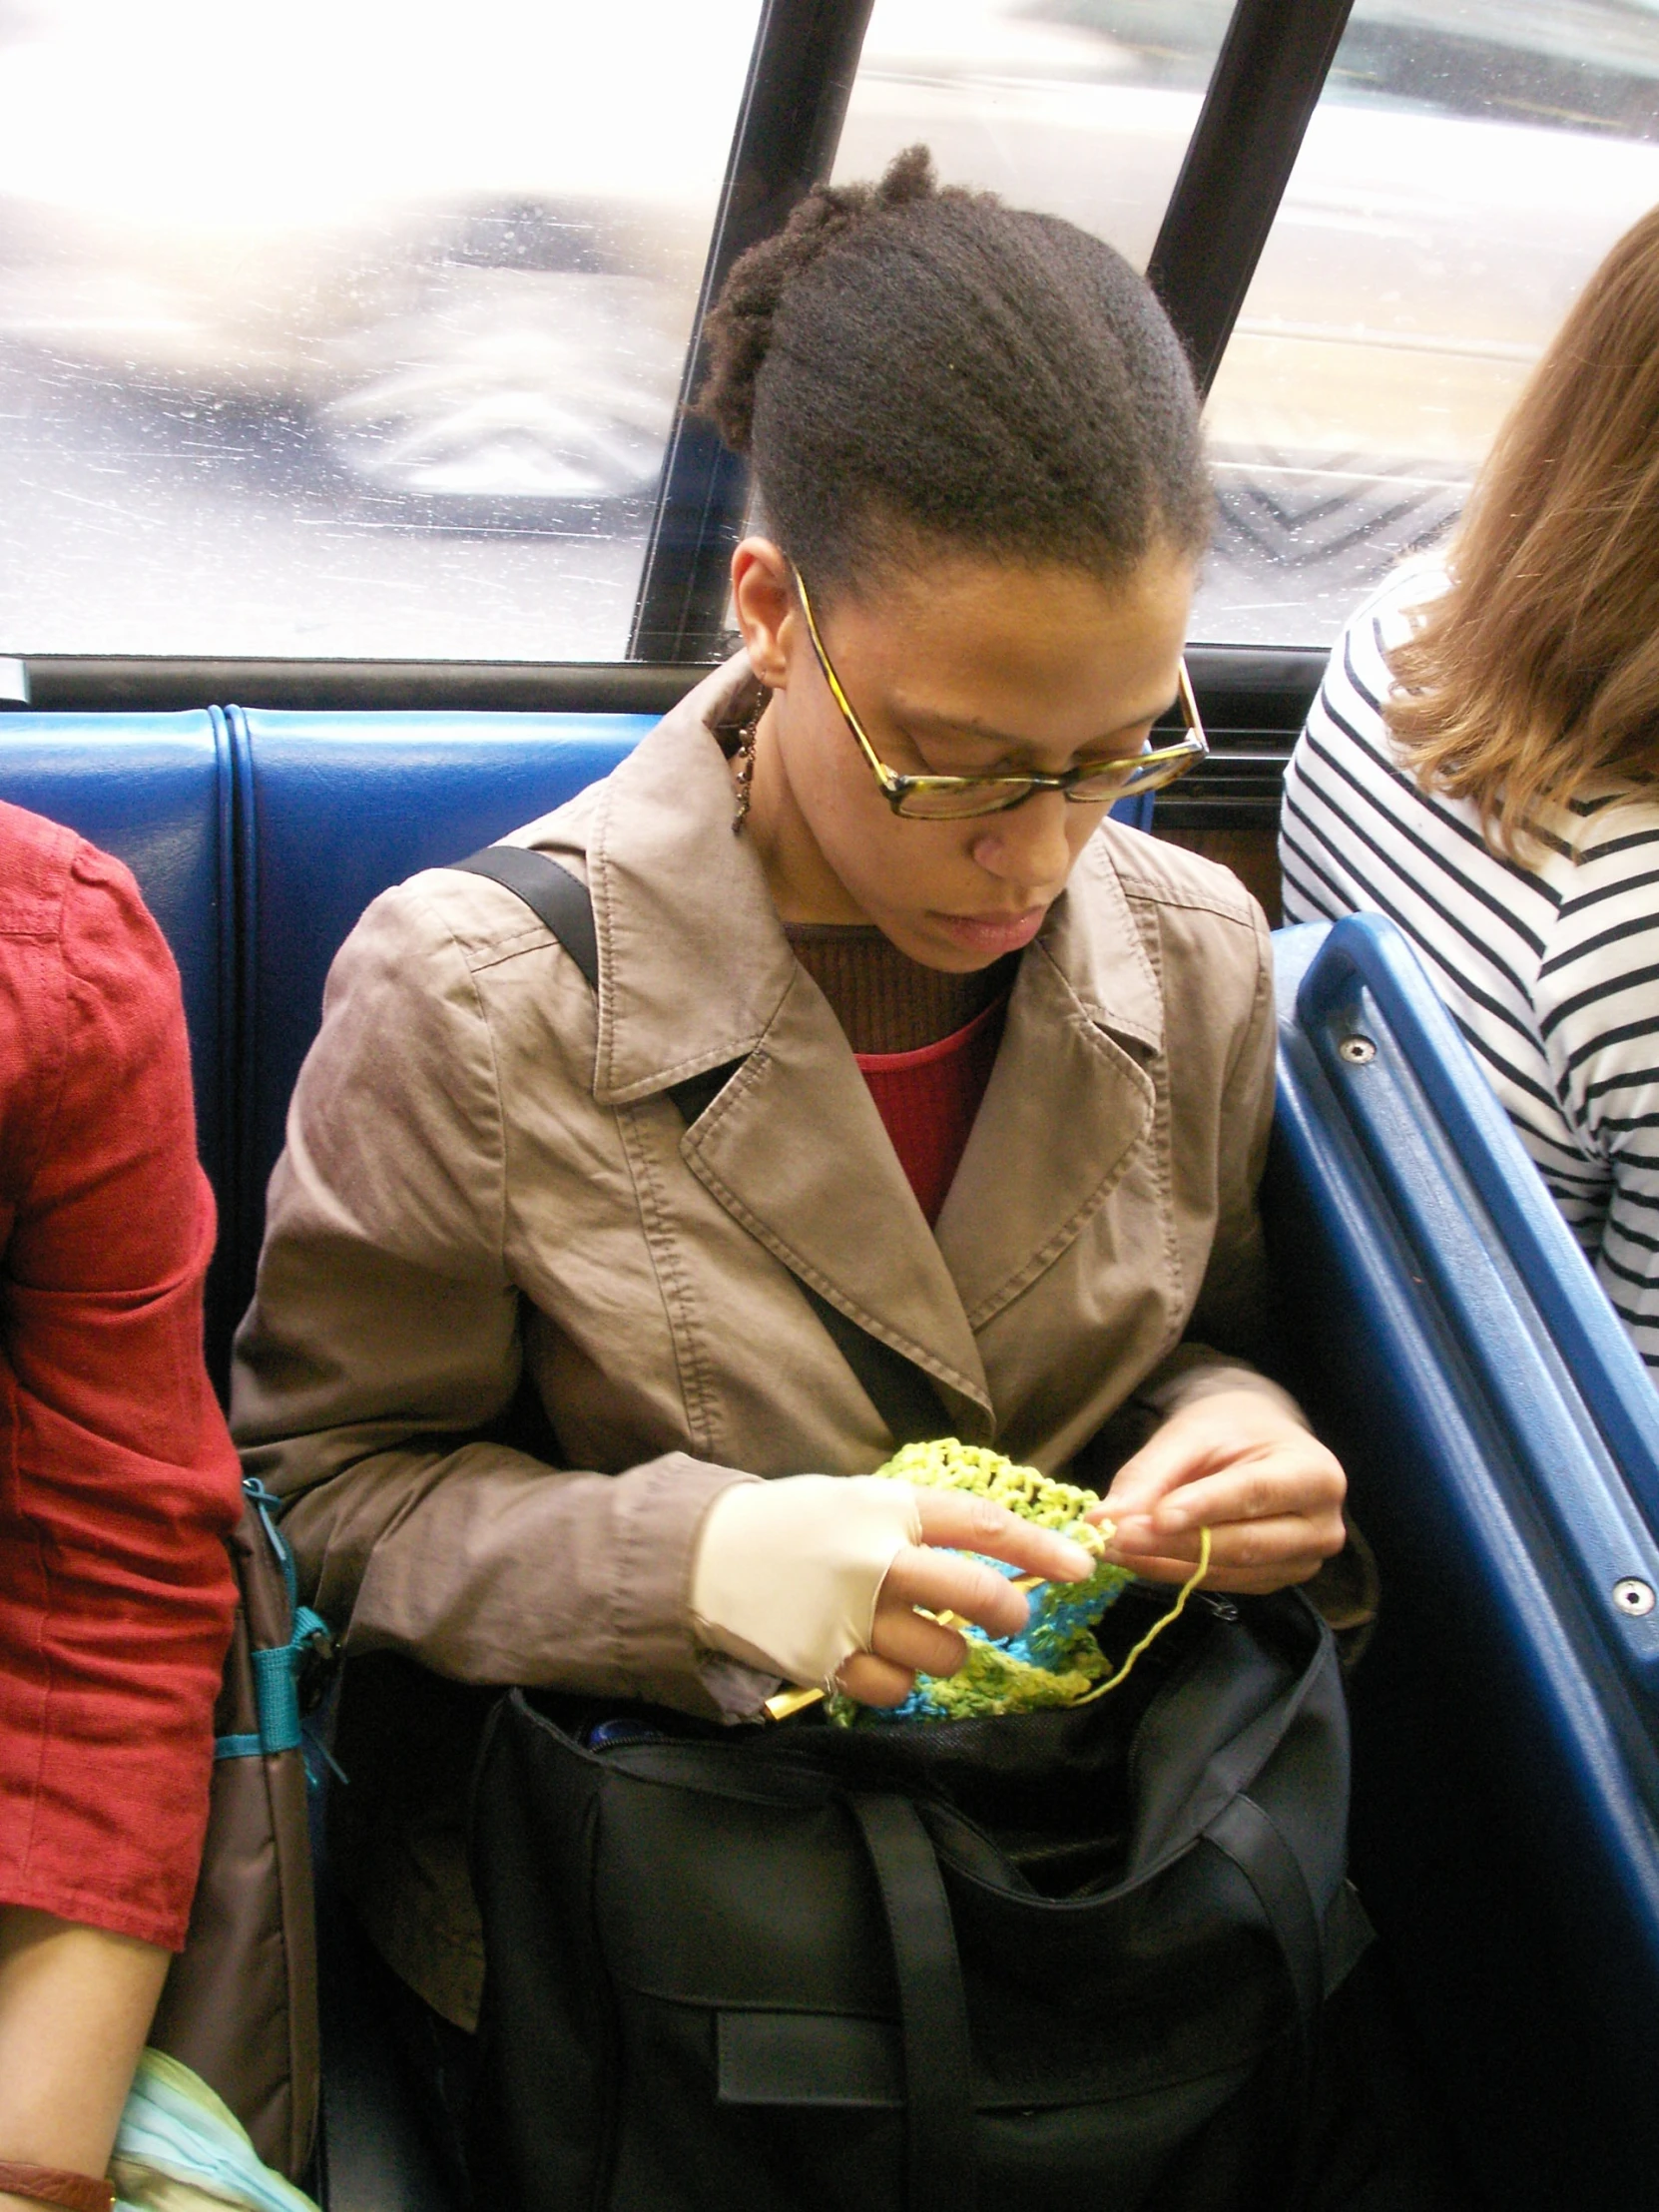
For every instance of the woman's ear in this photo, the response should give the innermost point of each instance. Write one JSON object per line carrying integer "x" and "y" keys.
{"x": 764, "y": 606}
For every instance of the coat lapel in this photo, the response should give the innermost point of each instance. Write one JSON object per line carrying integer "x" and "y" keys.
{"x": 1069, "y": 1099}
{"x": 693, "y": 963}
{"x": 794, "y": 1148}
{"x": 694, "y": 971}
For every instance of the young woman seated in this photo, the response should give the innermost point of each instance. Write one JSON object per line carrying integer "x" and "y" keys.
{"x": 118, "y": 1484}
{"x": 1481, "y": 766}
{"x": 989, "y": 1076}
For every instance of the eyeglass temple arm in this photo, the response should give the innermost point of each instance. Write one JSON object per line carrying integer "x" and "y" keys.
{"x": 1189, "y": 704}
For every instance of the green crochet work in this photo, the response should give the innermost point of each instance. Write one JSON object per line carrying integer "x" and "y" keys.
{"x": 1055, "y": 1660}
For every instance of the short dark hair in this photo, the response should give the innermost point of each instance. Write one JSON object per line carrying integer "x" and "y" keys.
{"x": 903, "y": 362}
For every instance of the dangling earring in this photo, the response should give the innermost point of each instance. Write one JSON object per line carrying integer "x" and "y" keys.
{"x": 743, "y": 754}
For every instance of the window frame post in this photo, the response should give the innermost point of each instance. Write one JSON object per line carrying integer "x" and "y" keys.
{"x": 789, "y": 124}
{"x": 1263, "y": 91}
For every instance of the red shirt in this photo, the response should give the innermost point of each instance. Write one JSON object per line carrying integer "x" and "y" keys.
{"x": 118, "y": 1479}
{"x": 927, "y": 1101}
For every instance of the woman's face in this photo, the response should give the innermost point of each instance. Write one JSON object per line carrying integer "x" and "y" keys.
{"x": 962, "y": 667}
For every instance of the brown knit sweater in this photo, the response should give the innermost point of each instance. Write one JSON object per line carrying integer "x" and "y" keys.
{"x": 884, "y": 1000}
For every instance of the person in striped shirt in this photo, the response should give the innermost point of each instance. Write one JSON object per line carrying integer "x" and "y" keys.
{"x": 1482, "y": 765}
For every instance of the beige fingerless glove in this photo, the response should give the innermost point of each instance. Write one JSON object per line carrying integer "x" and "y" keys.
{"x": 787, "y": 1573}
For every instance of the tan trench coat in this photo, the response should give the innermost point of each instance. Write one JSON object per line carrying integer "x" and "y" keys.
{"x": 483, "y": 1177}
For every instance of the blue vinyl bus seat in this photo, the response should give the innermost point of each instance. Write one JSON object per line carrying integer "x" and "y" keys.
{"x": 257, "y": 838}
{"x": 331, "y": 810}
{"x": 1506, "y": 1776}
{"x": 1620, "y": 1394}
{"x": 154, "y": 790}
{"x": 151, "y": 790}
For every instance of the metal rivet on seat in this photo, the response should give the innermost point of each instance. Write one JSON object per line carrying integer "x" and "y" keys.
{"x": 1632, "y": 1595}
{"x": 1356, "y": 1050}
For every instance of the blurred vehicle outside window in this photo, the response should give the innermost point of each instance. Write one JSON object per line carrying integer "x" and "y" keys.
{"x": 1467, "y": 167}
{"x": 346, "y": 328}
{"x": 354, "y": 330}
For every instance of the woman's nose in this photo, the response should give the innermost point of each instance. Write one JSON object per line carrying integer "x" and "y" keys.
{"x": 1026, "y": 846}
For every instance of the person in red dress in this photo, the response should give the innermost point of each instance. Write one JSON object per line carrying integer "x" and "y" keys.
{"x": 118, "y": 1484}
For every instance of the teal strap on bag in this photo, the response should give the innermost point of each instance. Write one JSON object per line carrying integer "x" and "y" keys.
{"x": 276, "y": 1666}
{"x": 276, "y": 1682}
{"x": 277, "y": 1692}
{"x": 268, "y": 1507}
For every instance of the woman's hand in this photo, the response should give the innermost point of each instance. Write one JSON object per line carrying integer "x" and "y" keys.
{"x": 902, "y": 1642}
{"x": 1269, "y": 1492}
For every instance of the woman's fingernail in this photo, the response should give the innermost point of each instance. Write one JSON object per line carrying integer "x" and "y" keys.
{"x": 1174, "y": 1520}
{"x": 1080, "y": 1565}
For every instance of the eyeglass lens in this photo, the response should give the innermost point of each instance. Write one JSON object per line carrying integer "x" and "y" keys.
{"x": 989, "y": 797}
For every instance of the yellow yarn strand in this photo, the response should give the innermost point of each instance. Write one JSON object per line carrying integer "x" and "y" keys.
{"x": 1157, "y": 1629}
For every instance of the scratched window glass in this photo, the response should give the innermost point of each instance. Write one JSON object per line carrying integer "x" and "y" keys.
{"x": 1467, "y": 167}
{"x": 347, "y": 327}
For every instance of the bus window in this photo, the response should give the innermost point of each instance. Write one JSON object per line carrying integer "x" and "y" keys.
{"x": 346, "y": 328}
{"x": 1469, "y": 164}
{"x": 1055, "y": 104}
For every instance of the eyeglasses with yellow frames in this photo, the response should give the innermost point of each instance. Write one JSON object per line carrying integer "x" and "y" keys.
{"x": 954, "y": 798}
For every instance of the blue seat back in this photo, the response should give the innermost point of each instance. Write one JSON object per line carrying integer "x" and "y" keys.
{"x": 155, "y": 790}
{"x": 1500, "y": 1440}
{"x": 331, "y": 810}
{"x": 151, "y": 790}
{"x": 1365, "y": 953}
{"x": 1506, "y": 1811}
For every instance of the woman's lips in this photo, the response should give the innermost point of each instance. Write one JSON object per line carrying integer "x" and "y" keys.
{"x": 993, "y": 933}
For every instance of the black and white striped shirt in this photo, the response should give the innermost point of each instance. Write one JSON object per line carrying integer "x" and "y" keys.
{"x": 1551, "y": 971}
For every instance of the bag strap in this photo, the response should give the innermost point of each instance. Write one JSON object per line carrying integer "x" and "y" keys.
{"x": 1245, "y": 1834}
{"x": 899, "y": 1391}
{"x": 276, "y": 1667}
{"x": 552, "y": 895}
{"x": 932, "y": 2008}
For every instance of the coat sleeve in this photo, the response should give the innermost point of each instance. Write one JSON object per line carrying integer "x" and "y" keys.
{"x": 117, "y": 1482}
{"x": 383, "y": 1344}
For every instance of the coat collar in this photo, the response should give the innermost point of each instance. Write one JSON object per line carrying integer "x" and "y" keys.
{"x": 696, "y": 971}
{"x": 693, "y": 962}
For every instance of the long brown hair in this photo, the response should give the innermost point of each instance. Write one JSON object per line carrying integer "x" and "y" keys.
{"x": 1536, "y": 673}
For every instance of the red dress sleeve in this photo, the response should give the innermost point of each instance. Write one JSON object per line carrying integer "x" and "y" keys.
{"x": 118, "y": 1479}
